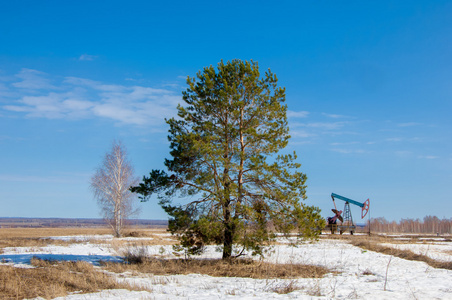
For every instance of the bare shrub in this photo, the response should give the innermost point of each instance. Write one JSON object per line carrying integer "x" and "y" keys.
{"x": 315, "y": 289}
{"x": 353, "y": 294}
{"x": 136, "y": 234}
{"x": 40, "y": 263}
{"x": 367, "y": 272}
{"x": 284, "y": 287}
{"x": 135, "y": 254}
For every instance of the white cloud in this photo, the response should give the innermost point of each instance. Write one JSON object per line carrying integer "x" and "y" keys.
{"x": 297, "y": 114}
{"x": 9, "y": 138}
{"x": 77, "y": 98}
{"x": 96, "y": 85}
{"x": 346, "y": 143}
{"x": 324, "y": 125}
{"x": 394, "y": 139}
{"x": 334, "y": 116}
{"x": 428, "y": 156}
{"x": 349, "y": 151}
{"x": 37, "y": 179}
{"x": 52, "y": 106}
{"x": 399, "y": 139}
{"x": 5, "y": 92}
{"x": 403, "y": 153}
{"x": 33, "y": 80}
{"x": 77, "y": 105}
{"x": 306, "y": 130}
{"x": 301, "y": 134}
{"x": 87, "y": 57}
{"x": 172, "y": 85}
{"x": 408, "y": 124}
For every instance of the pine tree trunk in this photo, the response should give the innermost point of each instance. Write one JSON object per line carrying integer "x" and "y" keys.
{"x": 228, "y": 233}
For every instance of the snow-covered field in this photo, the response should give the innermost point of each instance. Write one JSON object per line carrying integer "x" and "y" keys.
{"x": 441, "y": 251}
{"x": 359, "y": 274}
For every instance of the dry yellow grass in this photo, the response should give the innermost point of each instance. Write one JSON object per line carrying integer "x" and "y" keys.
{"x": 30, "y": 242}
{"x": 373, "y": 244}
{"x": 38, "y": 237}
{"x": 374, "y": 238}
{"x": 220, "y": 268}
{"x": 151, "y": 237}
{"x": 52, "y": 279}
{"x": 46, "y": 232}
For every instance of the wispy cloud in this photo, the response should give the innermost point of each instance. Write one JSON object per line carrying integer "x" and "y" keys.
{"x": 322, "y": 125}
{"x": 403, "y": 139}
{"x": 334, "y": 116}
{"x": 342, "y": 144}
{"x": 348, "y": 147}
{"x": 300, "y": 133}
{"x": 10, "y": 138}
{"x": 87, "y": 57}
{"x": 77, "y": 98}
{"x": 428, "y": 157}
{"x": 40, "y": 179}
{"x": 33, "y": 80}
{"x": 297, "y": 114}
{"x": 349, "y": 151}
{"x": 403, "y": 153}
{"x": 409, "y": 124}
{"x": 315, "y": 127}
{"x": 394, "y": 139}
{"x": 53, "y": 106}
{"x": 5, "y": 92}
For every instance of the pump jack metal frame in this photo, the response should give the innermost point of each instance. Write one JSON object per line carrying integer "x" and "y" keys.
{"x": 347, "y": 222}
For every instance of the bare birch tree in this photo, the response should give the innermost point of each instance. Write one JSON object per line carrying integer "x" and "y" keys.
{"x": 110, "y": 185}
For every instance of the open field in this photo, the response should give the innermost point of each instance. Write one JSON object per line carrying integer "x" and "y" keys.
{"x": 70, "y": 232}
{"x": 335, "y": 267}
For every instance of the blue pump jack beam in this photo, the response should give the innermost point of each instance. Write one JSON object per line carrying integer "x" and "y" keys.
{"x": 364, "y": 206}
{"x": 333, "y": 195}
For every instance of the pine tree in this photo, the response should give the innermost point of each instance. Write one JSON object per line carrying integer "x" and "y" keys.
{"x": 225, "y": 159}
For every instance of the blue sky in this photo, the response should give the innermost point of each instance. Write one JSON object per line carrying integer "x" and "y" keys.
{"x": 368, "y": 88}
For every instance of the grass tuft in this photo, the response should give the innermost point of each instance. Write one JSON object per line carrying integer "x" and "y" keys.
{"x": 285, "y": 287}
{"x": 372, "y": 245}
{"x": 367, "y": 272}
{"x": 219, "y": 268}
{"x": 50, "y": 279}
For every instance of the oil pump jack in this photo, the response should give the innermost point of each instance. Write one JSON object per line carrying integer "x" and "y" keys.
{"x": 346, "y": 221}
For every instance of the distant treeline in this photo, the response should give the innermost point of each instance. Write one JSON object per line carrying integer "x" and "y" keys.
{"x": 72, "y": 222}
{"x": 430, "y": 224}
